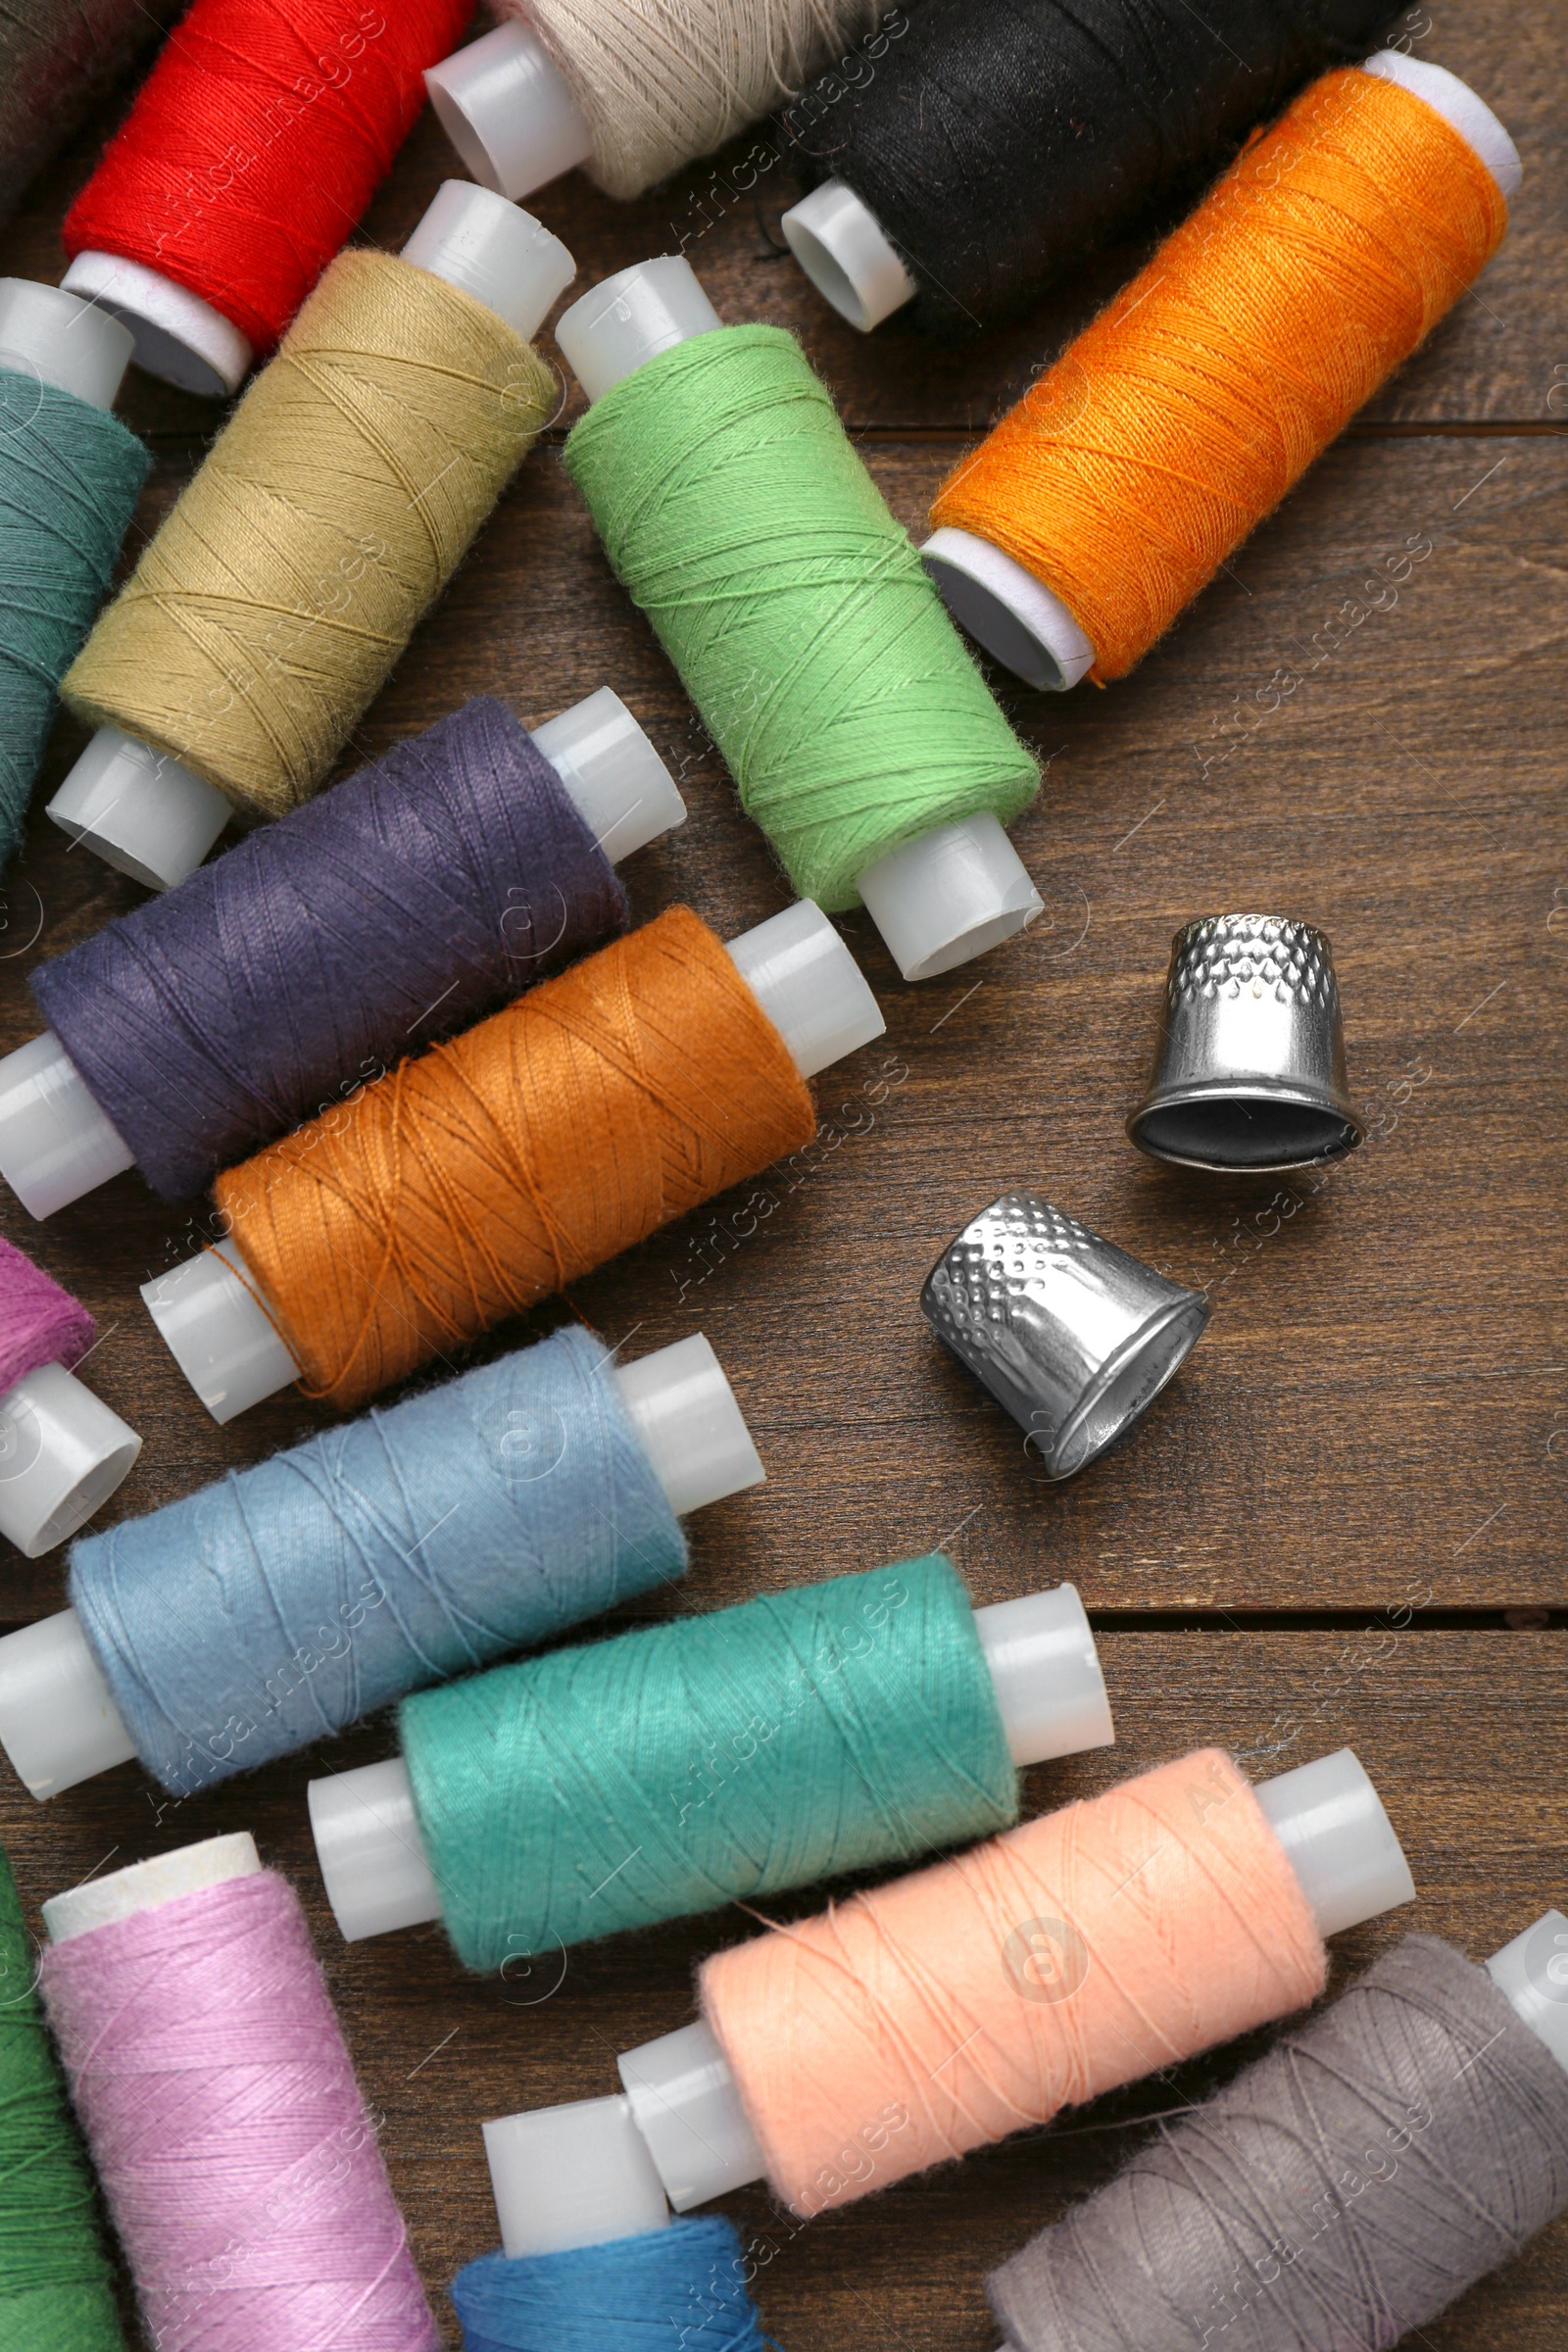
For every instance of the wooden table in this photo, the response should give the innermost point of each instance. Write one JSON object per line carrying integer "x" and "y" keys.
{"x": 1345, "y": 1521}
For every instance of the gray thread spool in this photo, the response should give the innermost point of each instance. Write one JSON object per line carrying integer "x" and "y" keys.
{"x": 1308, "y": 2207}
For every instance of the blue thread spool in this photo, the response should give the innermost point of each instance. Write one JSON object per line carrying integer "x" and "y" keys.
{"x": 273, "y": 1608}
{"x": 594, "y": 2261}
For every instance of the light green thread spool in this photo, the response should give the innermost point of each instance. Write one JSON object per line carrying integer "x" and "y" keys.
{"x": 673, "y": 1770}
{"x": 56, "y": 2293}
{"x": 739, "y": 518}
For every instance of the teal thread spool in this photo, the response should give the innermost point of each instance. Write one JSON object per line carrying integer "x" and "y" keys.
{"x": 70, "y": 478}
{"x": 671, "y": 1770}
{"x": 739, "y": 518}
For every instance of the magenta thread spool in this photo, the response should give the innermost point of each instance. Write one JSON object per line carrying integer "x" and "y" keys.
{"x": 62, "y": 1451}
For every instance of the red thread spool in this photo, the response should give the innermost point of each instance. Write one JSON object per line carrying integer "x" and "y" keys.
{"x": 255, "y": 146}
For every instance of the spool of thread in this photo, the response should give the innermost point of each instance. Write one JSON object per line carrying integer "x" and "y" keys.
{"x": 54, "y": 68}
{"x": 256, "y": 143}
{"x": 707, "y": 1761}
{"x": 992, "y": 148}
{"x": 56, "y": 2285}
{"x": 473, "y": 1182}
{"x": 741, "y": 519}
{"x": 329, "y": 514}
{"x": 70, "y": 478}
{"x": 593, "y": 2260}
{"x": 1071, "y": 539}
{"x": 632, "y": 88}
{"x": 62, "y": 1451}
{"x": 268, "y": 1611}
{"x": 921, "y": 2020}
{"x": 276, "y": 982}
{"x": 1345, "y": 2189}
{"x": 218, "y": 2097}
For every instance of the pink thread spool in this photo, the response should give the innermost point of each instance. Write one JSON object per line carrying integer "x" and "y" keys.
{"x": 62, "y": 1451}
{"x": 218, "y": 2097}
{"x": 978, "y": 1997}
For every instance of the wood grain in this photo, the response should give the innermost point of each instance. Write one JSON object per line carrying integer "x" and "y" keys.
{"x": 1364, "y": 724}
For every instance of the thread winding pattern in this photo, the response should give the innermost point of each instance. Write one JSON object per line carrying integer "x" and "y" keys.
{"x": 712, "y": 1758}
{"x": 1336, "y": 2196}
{"x": 662, "y": 81}
{"x": 921, "y": 2020}
{"x": 70, "y": 478}
{"x": 286, "y": 974}
{"x": 215, "y": 2092}
{"x": 477, "y": 1180}
{"x": 665, "y": 2292}
{"x": 736, "y": 511}
{"x": 56, "y": 2287}
{"x": 330, "y": 513}
{"x": 1182, "y": 416}
{"x": 257, "y": 142}
{"x": 996, "y": 146}
{"x": 279, "y": 1605}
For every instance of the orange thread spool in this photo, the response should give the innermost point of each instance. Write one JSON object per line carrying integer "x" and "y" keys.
{"x": 467, "y": 1183}
{"x": 933, "y": 2015}
{"x": 1183, "y": 414}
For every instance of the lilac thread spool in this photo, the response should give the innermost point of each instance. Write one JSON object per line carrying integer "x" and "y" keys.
{"x": 218, "y": 2097}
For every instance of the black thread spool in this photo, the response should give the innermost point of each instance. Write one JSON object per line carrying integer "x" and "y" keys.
{"x": 965, "y": 156}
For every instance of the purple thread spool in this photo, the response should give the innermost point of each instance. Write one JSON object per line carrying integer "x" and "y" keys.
{"x": 387, "y": 914}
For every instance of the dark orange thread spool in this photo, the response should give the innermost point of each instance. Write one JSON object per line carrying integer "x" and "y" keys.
{"x": 1181, "y": 417}
{"x": 472, "y": 1182}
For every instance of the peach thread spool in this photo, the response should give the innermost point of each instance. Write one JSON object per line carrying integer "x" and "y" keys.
{"x": 1072, "y": 538}
{"x": 469, "y": 1184}
{"x": 978, "y": 1997}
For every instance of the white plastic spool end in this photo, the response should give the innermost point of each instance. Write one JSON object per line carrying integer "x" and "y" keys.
{"x": 1045, "y": 1670}
{"x": 843, "y": 250}
{"x": 179, "y": 336}
{"x": 624, "y": 792}
{"x": 62, "y": 1453}
{"x": 55, "y": 1143}
{"x": 686, "y": 2106}
{"x": 1339, "y": 1841}
{"x": 58, "y": 1723}
{"x": 1456, "y": 102}
{"x": 625, "y": 320}
{"x": 1007, "y": 609}
{"x": 509, "y": 112}
{"x": 502, "y": 256}
{"x": 140, "y": 811}
{"x": 808, "y": 985}
{"x": 692, "y": 1430}
{"x": 573, "y": 2176}
{"x": 949, "y": 896}
{"x": 371, "y": 1852}
{"x": 1532, "y": 1973}
{"x": 62, "y": 340}
{"x": 211, "y": 1320}
{"x": 99, "y": 1902}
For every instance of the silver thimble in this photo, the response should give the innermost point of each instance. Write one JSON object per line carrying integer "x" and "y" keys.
{"x": 1249, "y": 1070}
{"x": 1070, "y": 1335}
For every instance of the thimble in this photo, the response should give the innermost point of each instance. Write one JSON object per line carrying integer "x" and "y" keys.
{"x": 1071, "y": 1335}
{"x": 1249, "y": 1070}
